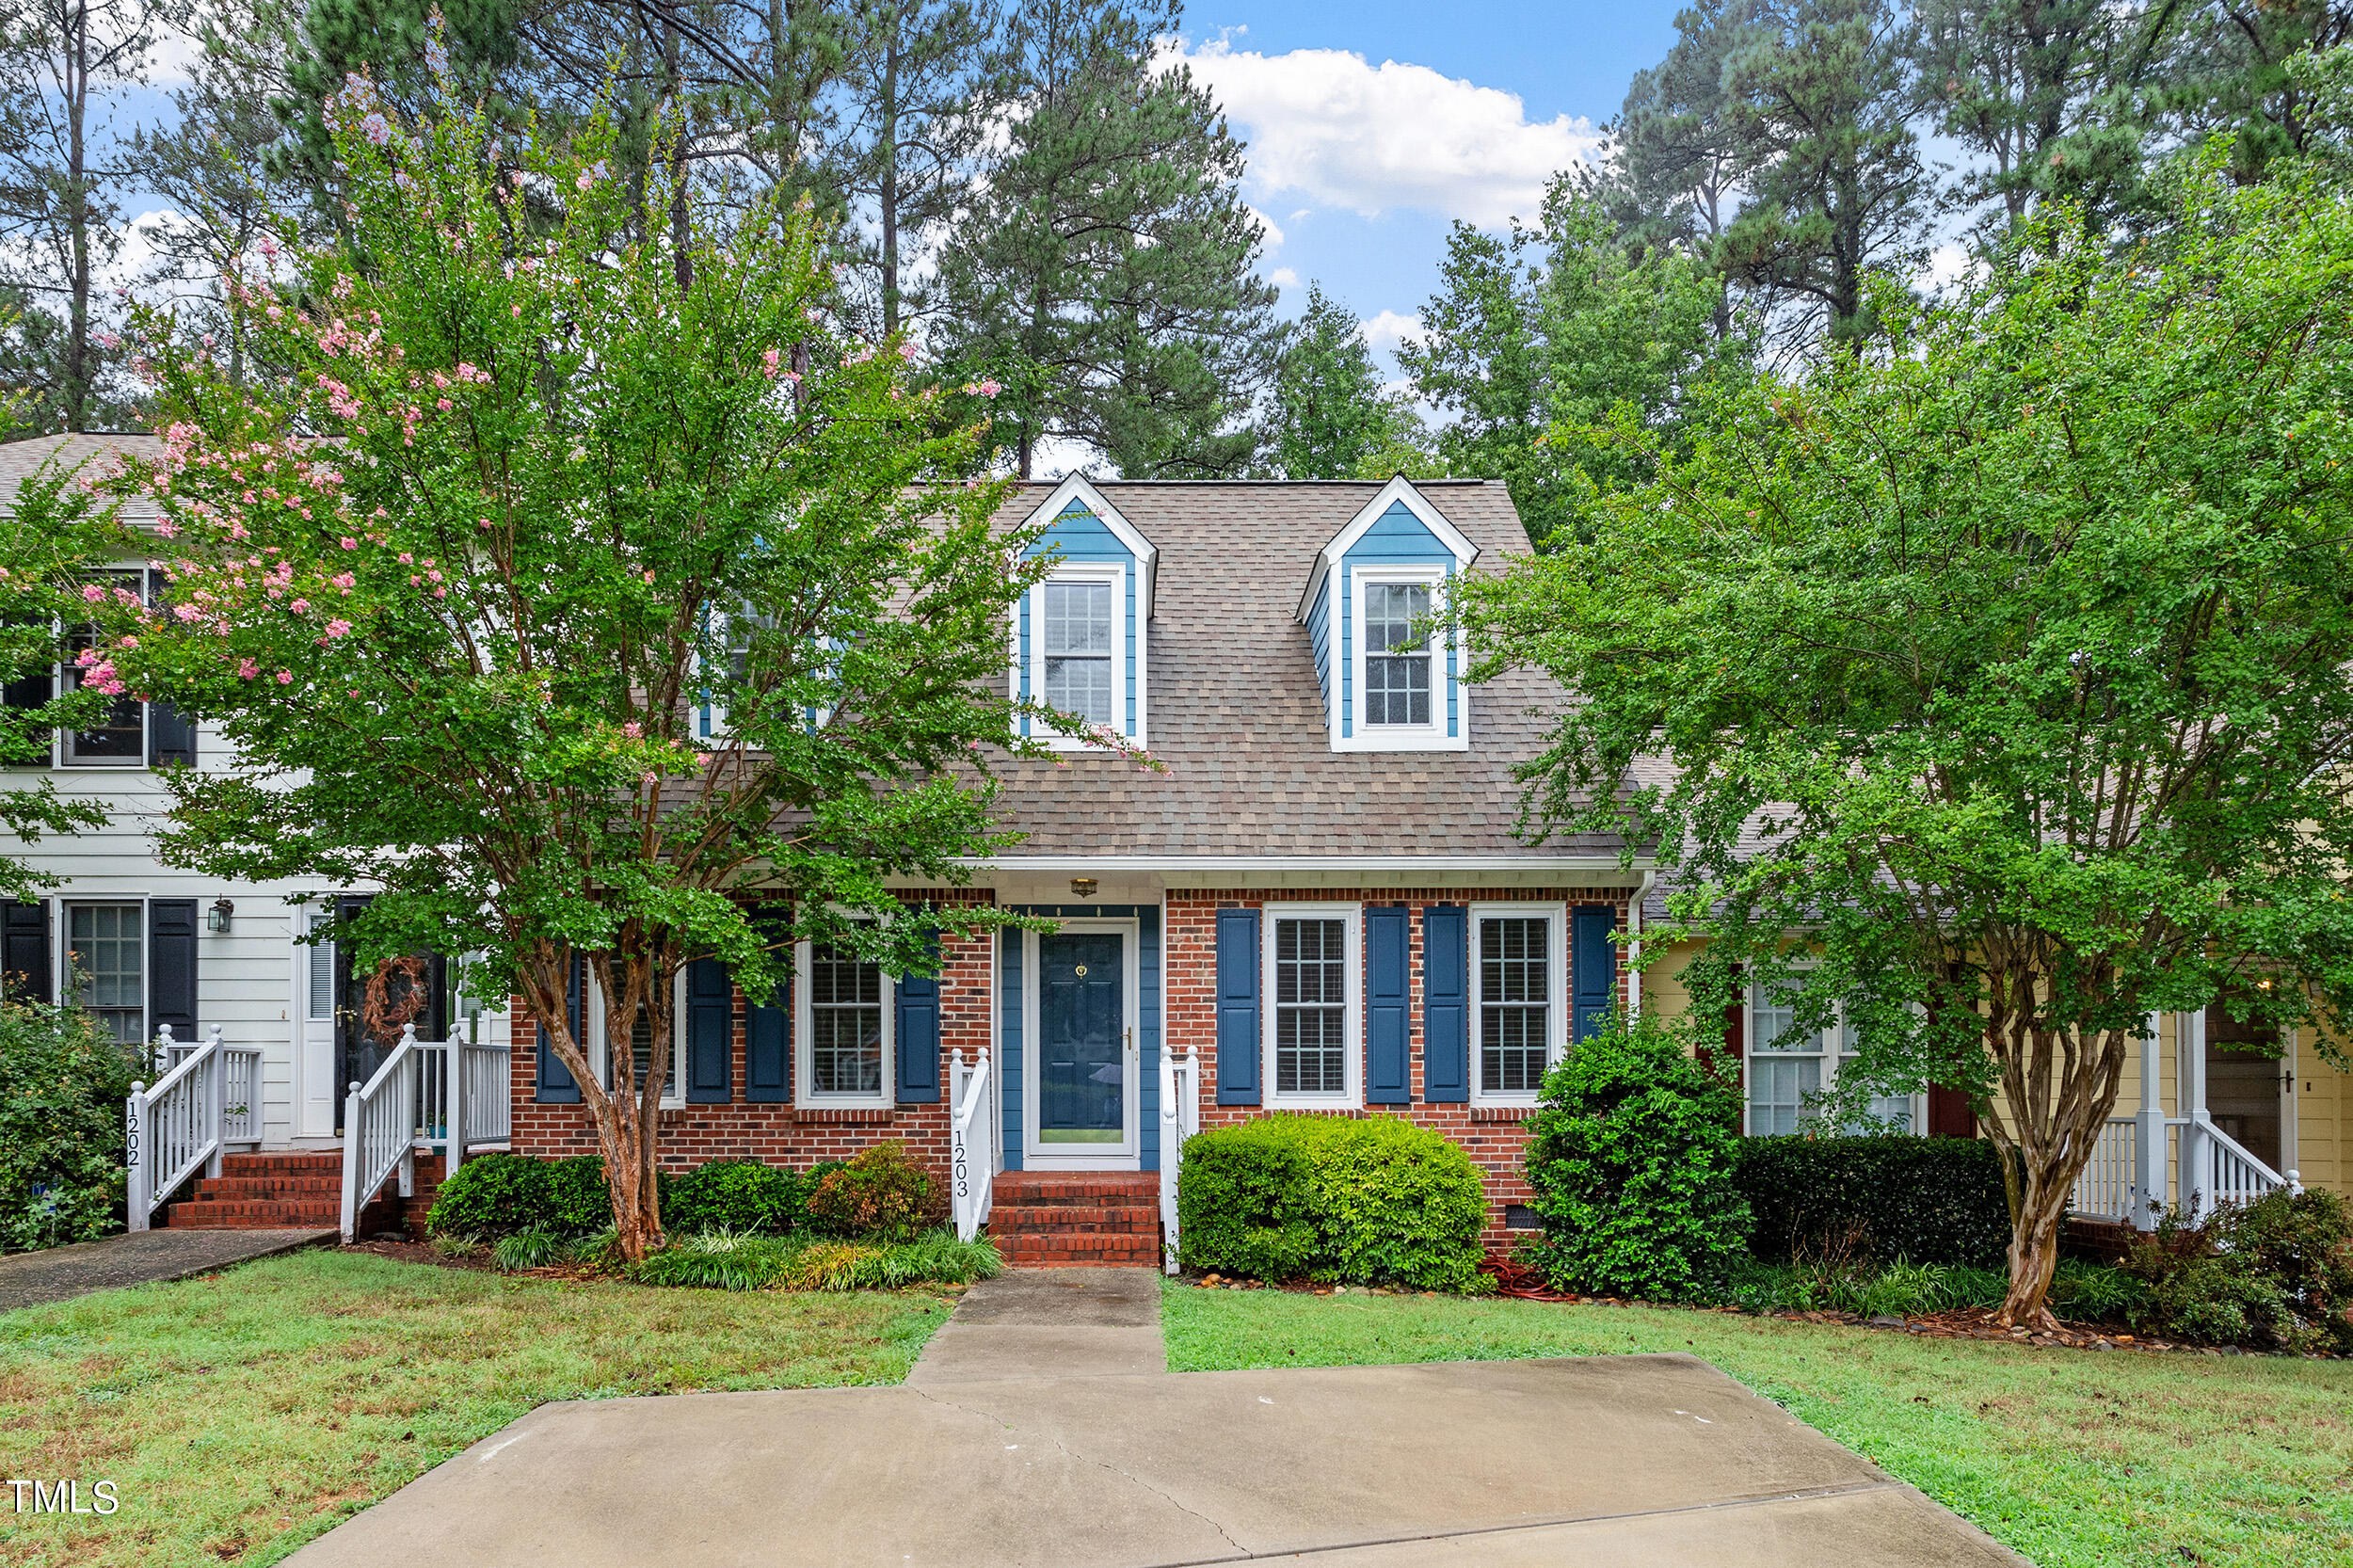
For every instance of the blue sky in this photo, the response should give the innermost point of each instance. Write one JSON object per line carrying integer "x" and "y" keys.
{"x": 1373, "y": 124}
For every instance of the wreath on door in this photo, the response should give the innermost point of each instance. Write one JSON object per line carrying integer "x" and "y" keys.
{"x": 386, "y": 1007}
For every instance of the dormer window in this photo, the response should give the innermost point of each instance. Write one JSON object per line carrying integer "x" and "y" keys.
{"x": 1080, "y": 638}
{"x": 1396, "y": 655}
{"x": 1078, "y": 635}
{"x": 1391, "y": 681}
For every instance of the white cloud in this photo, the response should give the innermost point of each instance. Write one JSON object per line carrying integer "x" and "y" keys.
{"x": 1283, "y": 278}
{"x": 1340, "y": 132}
{"x": 1274, "y": 231}
{"x": 1386, "y": 330}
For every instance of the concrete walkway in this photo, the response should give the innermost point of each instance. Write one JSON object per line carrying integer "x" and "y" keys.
{"x": 1616, "y": 1462}
{"x": 1050, "y": 1322}
{"x": 138, "y": 1257}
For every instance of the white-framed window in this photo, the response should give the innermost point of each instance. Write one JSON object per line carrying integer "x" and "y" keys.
{"x": 846, "y": 1029}
{"x": 1078, "y": 643}
{"x": 1399, "y": 673}
{"x": 106, "y": 964}
{"x": 1786, "y": 1072}
{"x": 1314, "y": 1018}
{"x": 641, "y": 1040}
{"x": 116, "y": 738}
{"x": 1519, "y": 999}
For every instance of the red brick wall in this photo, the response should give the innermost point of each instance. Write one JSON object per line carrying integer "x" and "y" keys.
{"x": 782, "y": 1135}
{"x": 693, "y": 1135}
{"x": 1491, "y": 1135}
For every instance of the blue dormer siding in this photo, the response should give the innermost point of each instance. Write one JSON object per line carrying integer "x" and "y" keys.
{"x": 1078, "y": 536}
{"x": 1396, "y": 538}
{"x": 1319, "y": 637}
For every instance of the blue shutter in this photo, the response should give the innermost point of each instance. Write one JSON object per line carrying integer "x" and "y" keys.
{"x": 1592, "y": 968}
{"x": 768, "y": 1029}
{"x": 171, "y": 928}
{"x": 1238, "y": 1007}
{"x": 710, "y": 1014}
{"x": 1389, "y": 1007}
{"x": 554, "y": 1083}
{"x": 918, "y": 1036}
{"x": 1444, "y": 1005}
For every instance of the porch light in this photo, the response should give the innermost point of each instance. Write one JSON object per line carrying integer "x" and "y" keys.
{"x": 1083, "y": 886}
{"x": 217, "y": 919}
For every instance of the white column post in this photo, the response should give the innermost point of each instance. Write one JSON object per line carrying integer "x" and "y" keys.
{"x": 454, "y": 1151}
{"x": 353, "y": 1144}
{"x": 2149, "y": 1132}
{"x": 134, "y": 1139}
{"x": 217, "y": 1075}
{"x": 2197, "y": 1148}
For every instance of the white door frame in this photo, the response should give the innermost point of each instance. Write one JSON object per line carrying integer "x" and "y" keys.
{"x": 1126, "y": 1155}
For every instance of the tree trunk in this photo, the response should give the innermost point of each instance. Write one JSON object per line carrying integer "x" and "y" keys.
{"x": 77, "y": 378}
{"x": 888, "y": 184}
{"x": 627, "y": 1117}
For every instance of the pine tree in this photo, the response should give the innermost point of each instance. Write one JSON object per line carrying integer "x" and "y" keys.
{"x": 61, "y": 64}
{"x": 1334, "y": 418}
{"x": 1103, "y": 270}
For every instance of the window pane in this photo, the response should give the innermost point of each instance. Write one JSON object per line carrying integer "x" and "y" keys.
{"x": 1778, "y": 1087}
{"x": 845, "y": 1024}
{"x": 322, "y": 968}
{"x": 1885, "y": 1112}
{"x": 1311, "y": 1006}
{"x": 1077, "y": 618}
{"x": 1390, "y": 611}
{"x": 1514, "y": 997}
{"x": 1081, "y": 687}
{"x": 1397, "y": 690}
{"x": 119, "y": 735}
{"x": 107, "y": 958}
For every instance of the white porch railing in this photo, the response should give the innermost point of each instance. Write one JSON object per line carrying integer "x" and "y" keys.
{"x": 972, "y": 1145}
{"x": 380, "y": 1129}
{"x": 207, "y": 1099}
{"x": 416, "y": 1100}
{"x": 1180, "y": 1118}
{"x": 2109, "y": 1187}
{"x": 2215, "y": 1168}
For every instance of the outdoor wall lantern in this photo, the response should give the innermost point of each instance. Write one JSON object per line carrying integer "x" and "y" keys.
{"x": 216, "y": 919}
{"x": 1083, "y": 886}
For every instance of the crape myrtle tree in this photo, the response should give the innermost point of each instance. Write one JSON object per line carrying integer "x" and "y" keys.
{"x": 1992, "y": 682}
{"x": 548, "y": 598}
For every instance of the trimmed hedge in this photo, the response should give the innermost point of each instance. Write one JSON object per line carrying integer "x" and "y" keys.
{"x": 1372, "y": 1200}
{"x": 501, "y": 1194}
{"x": 1924, "y": 1200}
{"x": 62, "y": 1083}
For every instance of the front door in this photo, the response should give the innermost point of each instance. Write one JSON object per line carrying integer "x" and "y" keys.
{"x": 1083, "y": 1087}
{"x": 372, "y": 1005}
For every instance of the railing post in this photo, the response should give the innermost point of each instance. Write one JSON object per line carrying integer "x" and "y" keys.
{"x": 217, "y": 1077}
{"x": 454, "y": 1150}
{"x": 137, "y": 1199}
{"x": 353, "y": 1146}
{"x": 2149, "y": 1134}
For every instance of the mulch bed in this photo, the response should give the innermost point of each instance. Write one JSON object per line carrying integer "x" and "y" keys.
{"x": 421, "y": 1252}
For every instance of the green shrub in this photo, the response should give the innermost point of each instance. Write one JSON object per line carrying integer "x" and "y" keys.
{"x": 740, "y": 1196}
{"x": 493, "y": 1195}
{"x": 718, "y": 1260}
{"x": 730, "y": 1261}
{"x": 880, "y": 1192}
{"x": 535, "y": 1247}
{"x": 1372, "y": 1200}
{"x": 62, "y": 1083}
{"x": 2275, "y": 1273}
{"x": 1874, "y": 1200}
{"x": 1631, "y": 1159}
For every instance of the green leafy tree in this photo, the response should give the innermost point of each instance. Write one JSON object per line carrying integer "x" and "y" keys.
{"x": 1332, "y": 414}
{"x": 55, "y": 610}
{"x": 1993, "y": 684}
{"x": 1674, "y": 152}
{"x": 594, "y": 619}
{"x": 1103, "y": 271}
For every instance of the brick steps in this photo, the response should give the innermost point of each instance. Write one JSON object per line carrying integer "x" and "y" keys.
{"x": 297, "y": 1189}
{"x": 1077, "y": 1219}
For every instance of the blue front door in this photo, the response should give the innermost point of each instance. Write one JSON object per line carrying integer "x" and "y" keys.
{"x": 1081, "y": 1018}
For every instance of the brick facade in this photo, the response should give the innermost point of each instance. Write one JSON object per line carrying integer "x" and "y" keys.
{"x": 786, "y": 1135}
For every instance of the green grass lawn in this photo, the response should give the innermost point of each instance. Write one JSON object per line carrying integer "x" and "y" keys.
{"x": 2076, "y": 1459}
{"x": 243, "y": 1414}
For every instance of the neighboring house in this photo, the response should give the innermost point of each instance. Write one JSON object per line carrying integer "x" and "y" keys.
{"x": 146, "y": 946}
{"x": 1318, "y": 902}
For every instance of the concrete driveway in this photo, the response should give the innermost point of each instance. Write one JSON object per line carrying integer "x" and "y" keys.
{"x": 1622, "y": 1460}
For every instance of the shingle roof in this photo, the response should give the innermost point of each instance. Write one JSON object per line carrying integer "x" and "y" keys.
{"x": 20, "y": 460}
{"x": 1236, "y": 714}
